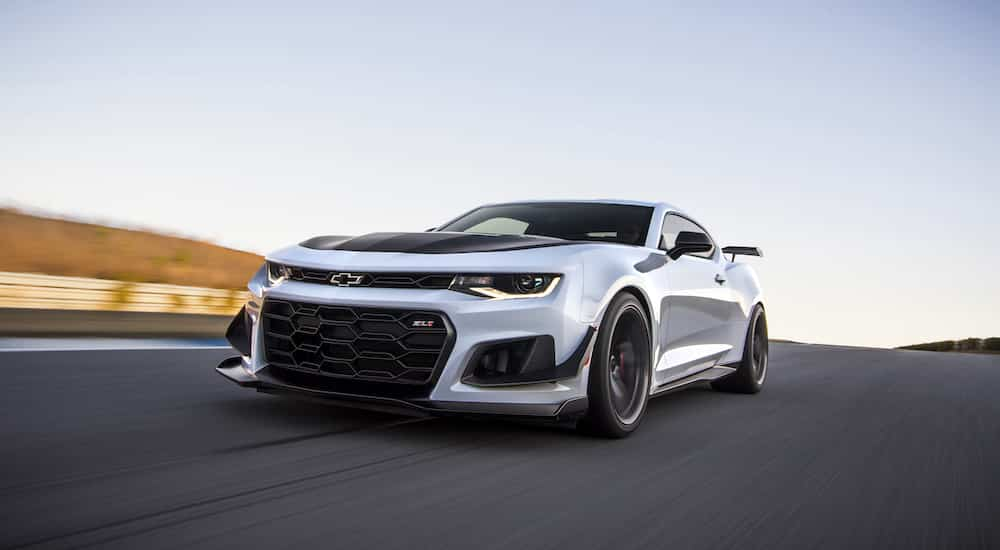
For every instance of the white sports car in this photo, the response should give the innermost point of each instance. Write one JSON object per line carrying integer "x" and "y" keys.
{"x": 565, "y": 311}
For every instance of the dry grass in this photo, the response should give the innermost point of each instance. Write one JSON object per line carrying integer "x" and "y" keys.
{"x": 33, "y": 244}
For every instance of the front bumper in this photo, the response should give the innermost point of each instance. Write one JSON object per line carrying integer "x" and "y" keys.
{"x": 268, "y": 381}
{"x": 475, "y": 321}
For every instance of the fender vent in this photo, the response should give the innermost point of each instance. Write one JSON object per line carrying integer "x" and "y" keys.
{"x": 371, "y": 344}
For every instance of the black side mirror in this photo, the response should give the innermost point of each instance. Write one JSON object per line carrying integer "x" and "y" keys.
{"x": 430, "y": 229}
{"x": 690, "y": 242}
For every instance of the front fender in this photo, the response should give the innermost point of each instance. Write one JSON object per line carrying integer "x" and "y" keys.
{"x": 608, "y": 274}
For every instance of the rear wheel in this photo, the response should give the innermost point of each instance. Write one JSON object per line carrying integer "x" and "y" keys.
{"x": 618, "y": 386}
{"x": 752, "y": 370}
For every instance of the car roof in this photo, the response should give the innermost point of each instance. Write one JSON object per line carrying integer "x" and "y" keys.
{"x": 656, "y": 205}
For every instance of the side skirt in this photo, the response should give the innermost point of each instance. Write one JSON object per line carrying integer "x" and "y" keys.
{"x": 707, "y": 375}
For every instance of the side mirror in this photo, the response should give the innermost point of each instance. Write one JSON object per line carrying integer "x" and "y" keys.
{"x": 428, "y": 230}
{"x": 690, "y": 242}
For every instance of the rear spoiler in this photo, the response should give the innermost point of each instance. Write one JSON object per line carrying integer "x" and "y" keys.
{"x": 742, "y": 251}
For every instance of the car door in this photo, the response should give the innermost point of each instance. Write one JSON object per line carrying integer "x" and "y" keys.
{"x": 695, "y": 309}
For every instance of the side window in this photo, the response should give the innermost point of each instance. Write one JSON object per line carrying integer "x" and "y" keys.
{"x": 674, "y": 224}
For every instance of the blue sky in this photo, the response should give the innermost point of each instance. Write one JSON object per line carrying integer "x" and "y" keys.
{"x": 857, "y": 144}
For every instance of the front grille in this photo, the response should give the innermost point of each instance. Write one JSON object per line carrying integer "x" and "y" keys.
{"x": 357, "y": 343}
{"x": 428, "y": 281}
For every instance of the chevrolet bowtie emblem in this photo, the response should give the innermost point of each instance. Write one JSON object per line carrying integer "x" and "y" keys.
{"x": 347, "y": 279}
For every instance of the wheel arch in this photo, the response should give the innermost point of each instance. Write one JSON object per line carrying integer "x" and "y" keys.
{"x": 641, "y": 297}
{"x": 624, "y": 288}
{"x": 740, "y": 347}
{"x": 643, "y": 300}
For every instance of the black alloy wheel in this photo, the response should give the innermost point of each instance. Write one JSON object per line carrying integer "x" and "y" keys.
{"x": 618, "y": 385}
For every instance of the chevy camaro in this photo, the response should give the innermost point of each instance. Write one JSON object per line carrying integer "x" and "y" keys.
{"x": 575, "y": 312}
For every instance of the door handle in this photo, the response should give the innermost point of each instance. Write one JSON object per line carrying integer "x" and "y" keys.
{"x": 720, "y": 279}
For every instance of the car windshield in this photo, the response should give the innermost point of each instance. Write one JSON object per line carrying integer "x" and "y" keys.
{"x": 616, "y": 223}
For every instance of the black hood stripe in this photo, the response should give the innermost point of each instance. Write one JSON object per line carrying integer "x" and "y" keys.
{"x": 325, "y": 242}
{"x": 433, "y": 242}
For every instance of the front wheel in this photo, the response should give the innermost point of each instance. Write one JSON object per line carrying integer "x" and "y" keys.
{"x": 618, "y": 386}
{"x": 750, "y": 374}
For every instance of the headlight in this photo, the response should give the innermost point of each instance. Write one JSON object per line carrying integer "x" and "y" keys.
{"x": 277, "y": 273}
{"x": 512, "y": 285}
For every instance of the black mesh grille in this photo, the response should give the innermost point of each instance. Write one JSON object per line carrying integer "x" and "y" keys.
{"x": 376, "y": 280}
{"x": 373, "y": 344}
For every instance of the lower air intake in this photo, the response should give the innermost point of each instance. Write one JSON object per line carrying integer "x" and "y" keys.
{"x": 356, "y": 343}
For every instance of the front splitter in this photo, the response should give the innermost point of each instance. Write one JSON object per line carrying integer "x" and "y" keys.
{"x": 571, "y": 409}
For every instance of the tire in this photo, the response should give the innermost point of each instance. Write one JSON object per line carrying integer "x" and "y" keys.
{"x": 752, "y": 370}
{"x": 620, "y": 367}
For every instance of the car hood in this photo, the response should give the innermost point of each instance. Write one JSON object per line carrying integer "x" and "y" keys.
{"x": 436, "y": 252}
{"x": 431, "y": 242}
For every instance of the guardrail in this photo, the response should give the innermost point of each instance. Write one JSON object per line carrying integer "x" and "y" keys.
{"x": 33, "y": 291}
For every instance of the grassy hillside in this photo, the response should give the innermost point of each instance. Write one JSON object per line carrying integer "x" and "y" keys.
{"x": 35, "y": 244}
{"x": 969, "y": 345}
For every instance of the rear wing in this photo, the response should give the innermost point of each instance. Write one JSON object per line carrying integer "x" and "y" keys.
{"x": 742, "y": 251}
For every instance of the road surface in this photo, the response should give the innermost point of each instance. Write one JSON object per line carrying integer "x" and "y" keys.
{"x": 845, "y": 448}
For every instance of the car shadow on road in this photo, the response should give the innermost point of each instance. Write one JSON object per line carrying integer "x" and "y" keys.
{"x": 320, "y": 419}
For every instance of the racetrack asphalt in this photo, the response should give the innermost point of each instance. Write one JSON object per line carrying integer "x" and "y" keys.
{"x": 844, "y": 448}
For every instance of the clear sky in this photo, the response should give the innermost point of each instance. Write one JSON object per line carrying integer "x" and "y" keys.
{"x": 859, "y": 146}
